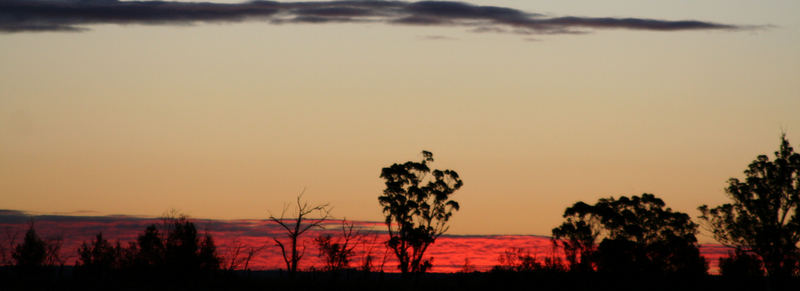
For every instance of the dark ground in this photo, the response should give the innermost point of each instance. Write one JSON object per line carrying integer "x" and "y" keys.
{"x": 66, "y": 279}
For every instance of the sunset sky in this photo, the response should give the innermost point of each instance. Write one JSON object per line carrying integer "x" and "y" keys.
{"x": 229, "y": 111}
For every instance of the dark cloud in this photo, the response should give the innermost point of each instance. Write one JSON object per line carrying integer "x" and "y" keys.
{"x": 75, "y": 15}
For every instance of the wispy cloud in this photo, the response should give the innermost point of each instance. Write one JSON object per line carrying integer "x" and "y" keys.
{"x": 76, "y": 15}
{"x": 436, "y": 37}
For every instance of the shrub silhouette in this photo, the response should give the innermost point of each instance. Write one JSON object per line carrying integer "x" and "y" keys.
{"x": 517, "y": 260}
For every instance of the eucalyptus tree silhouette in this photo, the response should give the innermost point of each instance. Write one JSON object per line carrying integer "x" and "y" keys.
{"x": 417, "y": 206}
{"x": 638, "y": 235}
{"x": 764, "y": 216}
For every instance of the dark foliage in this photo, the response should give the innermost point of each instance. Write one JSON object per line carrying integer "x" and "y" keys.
{"x": 639, "y": 235}
{"x": 764, "y": 215}
{"x": 99, "y": 257}
{"x": 31, "y": 253}
{"x": 178, "y": 252}
{"x": 740, "y": 264}
{"x": 417, "y": 206}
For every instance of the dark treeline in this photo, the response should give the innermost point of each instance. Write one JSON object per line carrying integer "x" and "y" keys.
{"x": 617, "y": 243}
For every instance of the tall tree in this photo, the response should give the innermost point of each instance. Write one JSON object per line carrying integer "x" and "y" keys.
{"x": 764, "y": 215}
{"x": 295, "y": 227}
{"x": 638, "y": 235}
{"x": 417, "y": 206}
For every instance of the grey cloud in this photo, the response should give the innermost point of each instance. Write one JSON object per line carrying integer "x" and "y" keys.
{"x": 76, "y": 15}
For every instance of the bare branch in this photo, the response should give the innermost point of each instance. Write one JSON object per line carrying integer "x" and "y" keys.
{"x": 301, "y": 223}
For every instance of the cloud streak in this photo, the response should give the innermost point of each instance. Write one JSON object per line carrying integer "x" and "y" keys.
{"x": 76, "y": 15}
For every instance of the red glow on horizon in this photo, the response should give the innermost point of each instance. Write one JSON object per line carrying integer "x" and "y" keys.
{"x": 449, "y": 253}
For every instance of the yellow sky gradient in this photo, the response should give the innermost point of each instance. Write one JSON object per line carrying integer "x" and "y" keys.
{"x": 230, "y": 121}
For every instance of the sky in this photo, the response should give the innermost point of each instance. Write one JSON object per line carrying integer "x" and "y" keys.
{"x": 230, "y": 111}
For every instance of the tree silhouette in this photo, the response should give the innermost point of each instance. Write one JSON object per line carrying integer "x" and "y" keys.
{"x": 149, "y": 252}
{"x": 208, "y": 258}
{"x": 337, "y": 252}
{"x": 638, "y": 235}
{"x": 182, "y": 246}
{"x": 8, "y": 242}
{"x": 764, "y": 216}
{"x": 98, "y": 257}
{"x": 740, "y": 264}
{"x": 417, "y": 206}
{"x": 179, "y": 250}
{"x": 32, "y": 252}
{"x": 578, "y": 236}
{"x": 295, "y": 227}
{"x": 239, "y": 255}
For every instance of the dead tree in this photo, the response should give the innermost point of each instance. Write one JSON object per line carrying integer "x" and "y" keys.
{"x": 295, "y": 227}
{"x": 8, "y": 242}
{"x": 239, "y": 255}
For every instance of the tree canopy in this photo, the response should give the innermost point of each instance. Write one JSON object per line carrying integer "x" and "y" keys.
{"x": 763, "y": 216}
{"x": 417, "y": 206}
{"x": 639, "y": 234}
{"x": 32, "y": 252}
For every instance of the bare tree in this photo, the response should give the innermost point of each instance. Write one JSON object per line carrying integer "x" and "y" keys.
{"x": 239, "y": 255}
{"x": 370, "y": 241}
{"x": 304, "y": 220}
{"x": 53, "y": 255}
{"x": 7, "y": 243}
